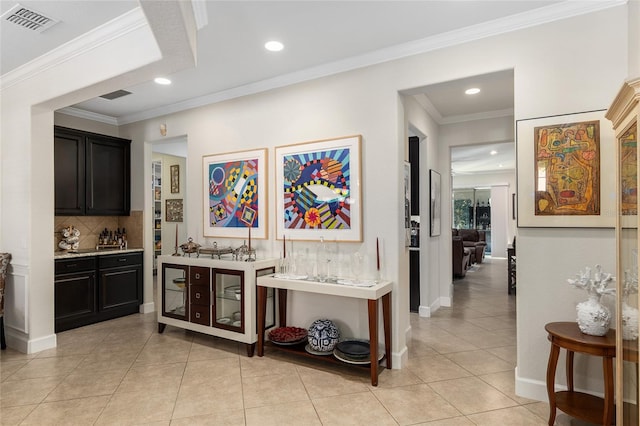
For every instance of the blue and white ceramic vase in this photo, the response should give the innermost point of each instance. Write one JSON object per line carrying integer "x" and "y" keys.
{"x": 323, "y": 335}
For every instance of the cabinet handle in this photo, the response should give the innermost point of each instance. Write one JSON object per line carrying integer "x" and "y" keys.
{"x": 122, "y": 259}
{"x": 197, "y": 295}
{"x": 197, "y": 276}
{"x": 198, "y": 315}
{"x": 72, "y": 265}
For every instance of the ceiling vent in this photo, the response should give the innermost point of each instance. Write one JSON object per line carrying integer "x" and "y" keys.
{"x": 115, "y": 95}
{"x": 28, "y": 18}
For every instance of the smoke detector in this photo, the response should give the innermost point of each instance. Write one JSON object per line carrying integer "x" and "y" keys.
{"x": 28, "y": 18}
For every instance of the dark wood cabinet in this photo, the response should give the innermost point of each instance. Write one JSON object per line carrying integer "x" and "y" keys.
{"x": 92, "y": 174}
{"x": 96, "y": 288}
{"x": 75, "y": 293}
{"x": 120, "y": 283}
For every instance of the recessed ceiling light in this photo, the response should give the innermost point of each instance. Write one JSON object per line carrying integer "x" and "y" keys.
{"x": 472, "y": 91}
{"x": 273, "y": 46}
{"x": 162, "y": 80}
{"x": 493, "y": 152}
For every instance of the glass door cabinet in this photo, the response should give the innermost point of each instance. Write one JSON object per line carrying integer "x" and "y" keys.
{"x": 624, "y": 114}
{"x": 213, "y": 296}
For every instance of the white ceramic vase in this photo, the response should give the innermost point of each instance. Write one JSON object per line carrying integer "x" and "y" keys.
{"x": 629, "y": 322}
{"x": 593, "y": 317}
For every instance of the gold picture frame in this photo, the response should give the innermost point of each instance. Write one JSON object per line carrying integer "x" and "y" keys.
{"x": 175, "y": 178}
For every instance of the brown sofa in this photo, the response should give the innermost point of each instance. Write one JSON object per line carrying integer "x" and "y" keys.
{"x": 460, "y": 257}
{"x": 475, "y": 241}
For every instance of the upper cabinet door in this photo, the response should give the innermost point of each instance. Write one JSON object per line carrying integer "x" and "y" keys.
{"x": 69, "y": 166}
{"x": 92, "y": 174}
{"x": 107, "y": 176}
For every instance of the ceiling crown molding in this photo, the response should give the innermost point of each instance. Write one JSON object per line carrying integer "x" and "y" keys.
{"x": 511, "y": 23}
{"x": 123, "y": 24}
{"x": 94, "y": 116}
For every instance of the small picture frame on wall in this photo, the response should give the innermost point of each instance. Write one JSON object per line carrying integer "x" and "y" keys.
{"x": 175, "y": 179}
{"x": 174, "y": 210}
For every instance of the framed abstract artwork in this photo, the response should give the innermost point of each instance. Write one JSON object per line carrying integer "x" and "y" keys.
{"x": 435, "y": 204}
{"x": 560, "y": 161}
{"x": 318, "y": 190}
{"x": 235, "y": 194}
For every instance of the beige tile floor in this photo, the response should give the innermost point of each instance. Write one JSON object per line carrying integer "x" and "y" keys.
{"x": 122, "y": 372}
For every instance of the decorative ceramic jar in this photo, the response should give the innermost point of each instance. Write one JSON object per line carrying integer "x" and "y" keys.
{"x": 323, "y": 335}
{"x": 593, "y": 317}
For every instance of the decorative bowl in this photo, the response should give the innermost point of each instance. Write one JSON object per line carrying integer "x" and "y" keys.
{"x": 323, "y": 335}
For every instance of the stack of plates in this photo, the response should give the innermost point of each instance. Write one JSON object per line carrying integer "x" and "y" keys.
{"x": 231, "y": 291}
{"x": 355, "y": 351}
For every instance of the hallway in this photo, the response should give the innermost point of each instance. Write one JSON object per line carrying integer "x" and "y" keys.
{"x": 122, "y": 372}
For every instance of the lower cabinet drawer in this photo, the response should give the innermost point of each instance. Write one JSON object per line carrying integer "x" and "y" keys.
{"x": 199, "y": 295}
{"x": 200, "y": 314}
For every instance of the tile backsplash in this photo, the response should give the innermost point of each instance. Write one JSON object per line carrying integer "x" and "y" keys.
{"x": 91, "y": 226}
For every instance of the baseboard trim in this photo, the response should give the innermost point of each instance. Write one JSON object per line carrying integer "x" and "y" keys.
{"x": 20, "y": 342}
{"x": 399, "y": 359}
{"x": 148, "y": 307}
{"x": 532, "y": 389}
{"x": 424, "y": 311}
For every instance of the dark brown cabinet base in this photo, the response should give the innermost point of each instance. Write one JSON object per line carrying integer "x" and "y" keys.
{"x": 97, "y": 288}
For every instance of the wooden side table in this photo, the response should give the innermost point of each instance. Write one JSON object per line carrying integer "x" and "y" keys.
{"x": 583, "y": 406}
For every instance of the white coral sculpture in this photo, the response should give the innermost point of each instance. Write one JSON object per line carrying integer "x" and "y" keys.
{"x": 596, "y": 286}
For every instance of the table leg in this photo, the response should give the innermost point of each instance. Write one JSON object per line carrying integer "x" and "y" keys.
{"x": 373, "y": 340}
{"x": 609, "y": 409}
{"x": 262, "y": 312}
{"x": 386, "y": 320}
{"x": 551, "y": 378}
{"x": 282, "y": 306}
{"x": 569, "y": 370}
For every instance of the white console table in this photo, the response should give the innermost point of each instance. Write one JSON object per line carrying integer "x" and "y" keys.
{"x": 380, "y": 291}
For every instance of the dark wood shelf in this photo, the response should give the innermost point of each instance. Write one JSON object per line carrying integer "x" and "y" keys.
{"x": 581, "y": 405}
{"x": 299, "y": 350}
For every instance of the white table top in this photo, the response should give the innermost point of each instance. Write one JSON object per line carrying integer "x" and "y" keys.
{"x": 375, "y": 292}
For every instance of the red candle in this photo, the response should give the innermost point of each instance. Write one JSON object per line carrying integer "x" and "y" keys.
{"x": 284, "y": 246}
{"x": 377, "y": 254}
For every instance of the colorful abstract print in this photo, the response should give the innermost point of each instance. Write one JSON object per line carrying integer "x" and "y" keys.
{"x": 233, "y": 194}
{"x": 317, "y": 190}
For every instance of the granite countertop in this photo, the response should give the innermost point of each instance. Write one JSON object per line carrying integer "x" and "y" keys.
{"x": 92, "y": 252}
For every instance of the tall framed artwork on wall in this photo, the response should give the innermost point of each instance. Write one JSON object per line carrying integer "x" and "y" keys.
{"x": 435, "y": 203}
{"x": 318, "y": 190}
{"x": 235, "y": 194}
{"x": 560, "y": 160}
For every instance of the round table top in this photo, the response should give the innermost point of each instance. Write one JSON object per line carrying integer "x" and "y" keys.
{"x": 569, "y": 331}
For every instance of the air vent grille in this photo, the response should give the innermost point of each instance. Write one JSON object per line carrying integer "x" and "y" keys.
{"x": 28, "y": 18}
{"x": 115, "y": 95}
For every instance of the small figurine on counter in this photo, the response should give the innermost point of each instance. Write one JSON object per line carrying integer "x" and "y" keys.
{"x": 71, "y": 240}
